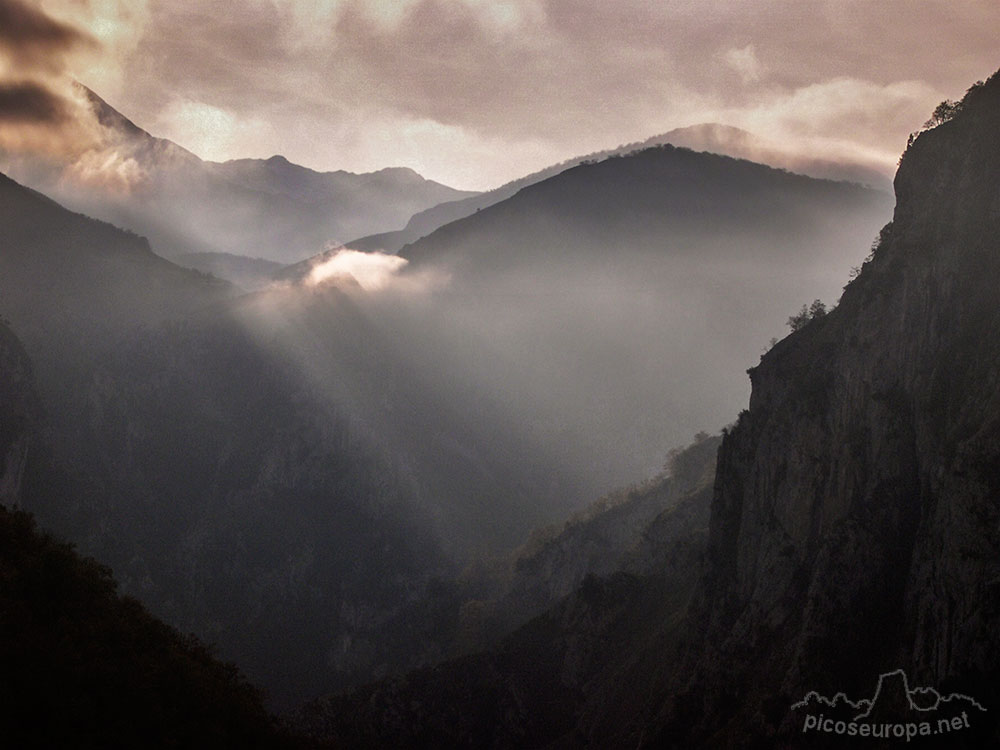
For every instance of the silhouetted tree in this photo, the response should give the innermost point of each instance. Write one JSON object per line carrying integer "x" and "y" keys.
{"x": 817, "y": 309}
{"x": 943, "y": 112}
{"x": 808, "y": 312}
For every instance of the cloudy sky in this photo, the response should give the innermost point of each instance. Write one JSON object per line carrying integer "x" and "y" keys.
{"x": 476, "y": 92}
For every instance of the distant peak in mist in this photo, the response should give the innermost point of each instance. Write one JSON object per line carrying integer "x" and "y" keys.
{"x": 708, "y": 132}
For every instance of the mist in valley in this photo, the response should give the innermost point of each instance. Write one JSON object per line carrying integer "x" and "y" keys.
{"x": 301, "y": 473}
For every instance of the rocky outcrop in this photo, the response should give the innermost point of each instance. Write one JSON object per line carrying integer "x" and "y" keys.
{"x": 856, "y": 518}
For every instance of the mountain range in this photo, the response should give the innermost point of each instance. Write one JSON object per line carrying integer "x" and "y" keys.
{"x": 681, "y": 264}
{"x": 266, "y": 208}
{"x": 336, "y": 482}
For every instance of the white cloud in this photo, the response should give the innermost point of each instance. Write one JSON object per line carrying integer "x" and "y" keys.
{"x": 211, "y": 132}
{"x": 372, "y": 271}
{"x": 116, "y": 25}
{"x": 847, "y": 104}
{"x": 744, "y": 61}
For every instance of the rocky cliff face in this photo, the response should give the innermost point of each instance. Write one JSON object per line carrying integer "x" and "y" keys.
{"x": 856, "y": 519}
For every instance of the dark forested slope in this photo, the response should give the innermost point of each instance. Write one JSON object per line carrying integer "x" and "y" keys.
{"x": 200, "y": 463}
{"x": 82, "y": 665}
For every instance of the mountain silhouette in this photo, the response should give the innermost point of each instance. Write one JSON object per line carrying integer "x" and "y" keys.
{"x": 719, "y": 139}
{"x": 895, "y": 700}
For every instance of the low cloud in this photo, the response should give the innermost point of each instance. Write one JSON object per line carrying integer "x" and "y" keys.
{"x": 30, "y": 102}
{"x": 371, "y": 271}
{"x": 374, "y": 273}
{"x": 108, "y": 169}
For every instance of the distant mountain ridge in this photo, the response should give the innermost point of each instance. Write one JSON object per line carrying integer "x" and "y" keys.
{"x": 719, "y": 139}
{"x": 246, "y": 272}
{"x": 267, "y": 208}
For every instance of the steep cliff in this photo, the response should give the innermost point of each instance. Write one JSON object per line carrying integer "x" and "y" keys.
{"x": 855, "y": 524}
{"x": 82, "y": 665}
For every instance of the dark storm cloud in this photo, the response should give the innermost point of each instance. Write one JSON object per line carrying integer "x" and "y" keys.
{"x": 31, "y": 38}
{"x": 41, "y": 112}
{"x": 31, "y": 103}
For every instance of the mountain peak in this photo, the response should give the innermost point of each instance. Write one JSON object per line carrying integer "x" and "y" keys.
{"x": 107, "y": 115}
{"x": 124, "y": 130}
{"x": 402, "y": 174}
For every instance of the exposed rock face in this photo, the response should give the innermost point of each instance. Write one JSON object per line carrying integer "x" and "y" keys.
{"x": 856, "y": 519}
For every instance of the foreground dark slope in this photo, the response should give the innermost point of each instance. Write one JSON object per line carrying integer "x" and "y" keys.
{"x": 83, "y": 666}
{"x": 200, "y": 462}
{"x": 853, "y": 526}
